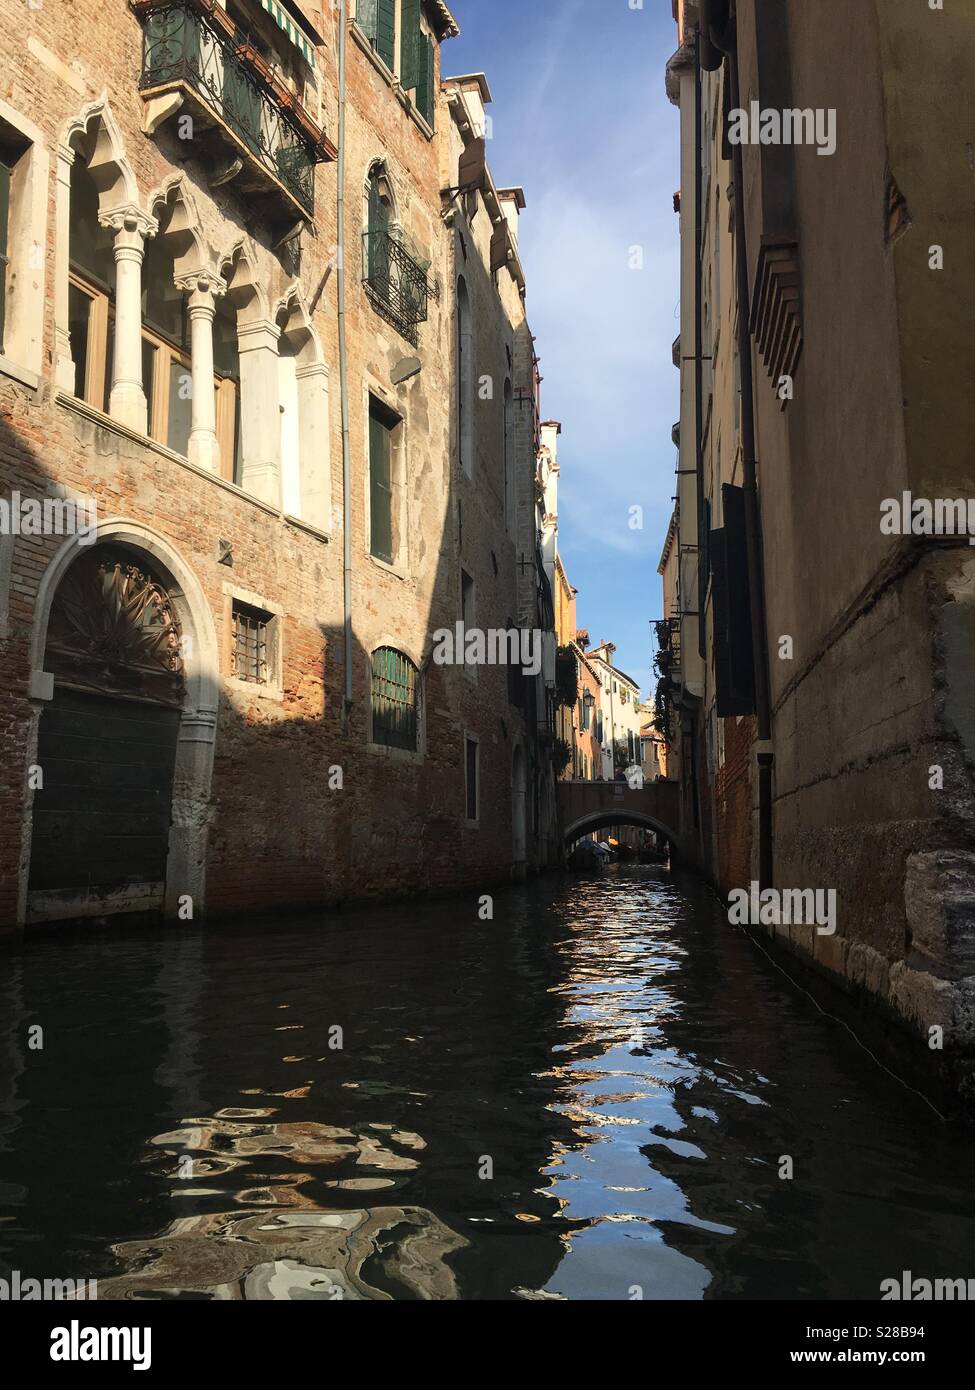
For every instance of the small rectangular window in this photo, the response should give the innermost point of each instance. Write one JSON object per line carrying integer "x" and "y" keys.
{"x": 468, "y": 614}
{"x": 382, "y": 424}
{"x": 471, "y": 767}
{"x": 251, "y": 652}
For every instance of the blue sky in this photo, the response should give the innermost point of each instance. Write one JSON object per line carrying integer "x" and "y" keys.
{"x": 581, "y": 121}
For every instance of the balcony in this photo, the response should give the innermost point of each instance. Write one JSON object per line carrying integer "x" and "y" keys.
{"x": 247, "y": 125}
{"x": 395, "y": 283}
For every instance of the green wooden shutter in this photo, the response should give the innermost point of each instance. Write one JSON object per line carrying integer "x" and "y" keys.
{"x": 380, "y": 492}
{"x": 426, "y": 64}
{"x": 365, "y": 15}
{"x": 385, "y": 40}
{"x": 378, "y": 239}
{"x": 4, "y": 230}
{"x": 243, "y": 105}
{"x": 410, "y": 37}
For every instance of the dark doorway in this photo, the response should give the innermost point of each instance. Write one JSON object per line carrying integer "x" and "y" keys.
{"x": 107, "y": 742}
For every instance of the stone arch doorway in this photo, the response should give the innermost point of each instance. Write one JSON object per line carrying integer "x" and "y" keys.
{"x": 125, "y": 737}
{"x": 519, "y": 812}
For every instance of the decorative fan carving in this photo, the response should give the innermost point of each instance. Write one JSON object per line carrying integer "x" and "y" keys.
{"x": 113, "y": 628}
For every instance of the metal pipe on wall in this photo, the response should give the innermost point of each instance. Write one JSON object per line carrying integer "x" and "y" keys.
{"x": 344, "y": 374}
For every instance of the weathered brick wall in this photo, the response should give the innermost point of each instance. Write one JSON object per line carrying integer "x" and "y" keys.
{"x": 277, "y": 833}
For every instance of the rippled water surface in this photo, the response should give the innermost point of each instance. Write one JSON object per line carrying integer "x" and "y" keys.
{"x": 587, "y": 1095}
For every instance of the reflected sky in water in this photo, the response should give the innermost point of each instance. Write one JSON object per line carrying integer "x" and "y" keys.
{"x": 587, "y": 1097}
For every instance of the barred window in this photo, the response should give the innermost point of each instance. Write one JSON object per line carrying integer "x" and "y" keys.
{"x": 250, "y": 654}
{"x": 394, "y": 699}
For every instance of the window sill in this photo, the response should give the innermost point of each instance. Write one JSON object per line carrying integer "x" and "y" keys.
{"x": 103, "y": 421}
{"x": 394, "y": 755}
{"x": 275, "y": 693}
{"x": 362, "y": 39}
{"x": 308, "y": 526}
{"x": 16, "y": 372}
{"x": 419, "y": 121}
{"x": 397, "y": 571}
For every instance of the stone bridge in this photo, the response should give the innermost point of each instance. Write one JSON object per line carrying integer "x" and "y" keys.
{"x": 587, "y": 806}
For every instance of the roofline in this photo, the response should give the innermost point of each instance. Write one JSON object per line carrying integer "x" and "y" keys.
{"x": 668, "y": 541}
{"x": 447, "y": 26}
{"x": 467, "y": 79}
{"x": 517, "y": 193}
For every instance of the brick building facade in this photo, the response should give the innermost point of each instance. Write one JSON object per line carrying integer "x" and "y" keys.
{"x": 223, "y": 698}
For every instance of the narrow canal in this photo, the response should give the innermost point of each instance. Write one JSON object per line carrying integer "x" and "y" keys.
{"x": 587, "y": 1097}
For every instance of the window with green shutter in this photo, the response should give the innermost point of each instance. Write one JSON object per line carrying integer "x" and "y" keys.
{"x": 417, "y": 60}
{"x": 377, "y": 246}
{"x": 410, "y": 35}
{"x": 377, "y": 20}
{"x": 385, "y": 42}
{"x": 394, "y": 699}
{"x": 381, "y": 425}
{"x": 426, "y": 63}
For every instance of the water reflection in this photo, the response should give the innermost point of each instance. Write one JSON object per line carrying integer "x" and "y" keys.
{"x": 589, "y": 1097}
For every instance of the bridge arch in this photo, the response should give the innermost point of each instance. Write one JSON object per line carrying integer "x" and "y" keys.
{"x": 598, "y": 820}
{"x": 586, "y": 806}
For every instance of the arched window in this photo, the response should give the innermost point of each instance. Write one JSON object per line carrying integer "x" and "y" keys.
{"x": 380, "y": 215}
{"x": 465, "y": 380}
{"x": 395, "y": 699}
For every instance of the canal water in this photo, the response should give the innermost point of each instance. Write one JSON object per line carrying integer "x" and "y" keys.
{"x": 587, "y": 1097}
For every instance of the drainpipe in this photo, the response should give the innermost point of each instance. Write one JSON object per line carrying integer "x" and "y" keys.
{"x": 344, "y": 378}
{"x": 698, "y": 360}
{"x": 728, "y": 45}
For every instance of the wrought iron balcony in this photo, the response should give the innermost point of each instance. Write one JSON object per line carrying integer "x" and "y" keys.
{"x": 192, "y": 49}
{"x": 394, "y": 281}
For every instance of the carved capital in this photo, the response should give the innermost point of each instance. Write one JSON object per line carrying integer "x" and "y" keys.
{"x": 129, "y": 222}
{"x": 202, "y": 282}
{"x": 202, "y": 286}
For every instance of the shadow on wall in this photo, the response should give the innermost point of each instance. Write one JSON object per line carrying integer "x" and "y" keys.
{"x": 135, "y": 779}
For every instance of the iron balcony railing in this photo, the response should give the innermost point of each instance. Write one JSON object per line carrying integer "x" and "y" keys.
{"x": 182, "y": 44}
{"x": 396, "y": 283}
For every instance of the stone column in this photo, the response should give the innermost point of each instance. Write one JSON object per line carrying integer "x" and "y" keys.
{"x": 260, "y": 410}
{"x": 127, "y": 403}
{"x": 64, "y": 371}
{"x": 314, "y": 451}
{"x": 203, "y": 449}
